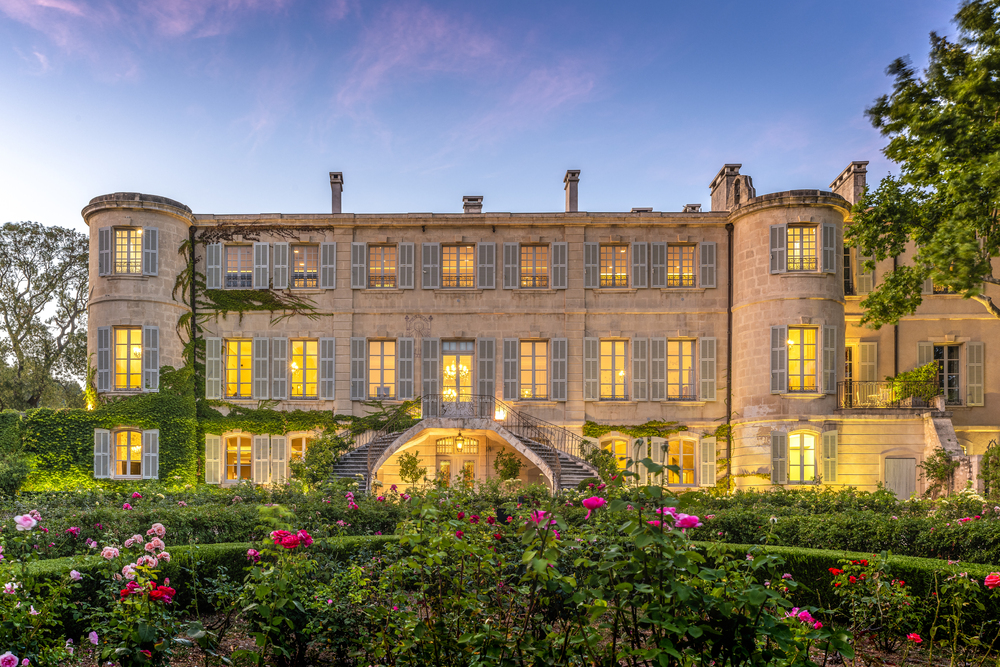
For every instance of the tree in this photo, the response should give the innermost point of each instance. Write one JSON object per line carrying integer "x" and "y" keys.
{"x": 43, "y": 312}
{"x": 410, "y": 470}
{"x": 944, "y": 130}
{"x": 507, "y": 465}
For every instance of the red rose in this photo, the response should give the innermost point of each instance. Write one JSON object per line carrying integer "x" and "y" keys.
{"x": 834, "y": 571}
{"x": 305, "y": 537}
{"x": 290, "y": 541}
{"x": 279, "y": 535}
{"x": 497, "y": 536}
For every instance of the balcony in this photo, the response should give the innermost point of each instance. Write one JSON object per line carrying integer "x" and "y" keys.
{"x": 889, "y": 394}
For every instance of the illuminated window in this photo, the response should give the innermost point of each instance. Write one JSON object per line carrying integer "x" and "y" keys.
{"x": 381, "y": 266}
{"x": 534, "y": 369}
{"x": 468, "y": 473}
{"x": 619, "y": 448}
{"x": 680, "y": 453}
{"x": 238, "y": 458}
{"x": 802, "y": 248}
{"x": 128, "y": 454}
{"x": 381, "y": 369}
{"x": 457, "y": 266}
{"x": 534, "y": 266}
{"x": 680, "y": 265}
{"x": 614, "y": 267}
{"x": 239, "y": 369}
{"x": 801, "y": 457}
{"x": 949, "y": 372}
{"x": 680, "y": 370}
{"x": 457, "y": 370}
{"x": 801, "y": 359}
{"x": 128, "y": 250}
{"x": 239, "y": 266}
{"x": 298, "y": 447}
{"x": 613, "y": 371}
{"x": 451, "y": 445}
{"x": 128, "y": 358}
{"x": 305, "y": 266}
{"x": 304, "y": 366}
{"x": 444, "y": 473}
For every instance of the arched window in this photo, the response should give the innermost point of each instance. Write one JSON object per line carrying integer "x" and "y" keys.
{"x": 681, "y": 453}
{"x": 801, "y": 457}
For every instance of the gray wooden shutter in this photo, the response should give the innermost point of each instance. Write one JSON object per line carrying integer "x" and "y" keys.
{"x": 830, "y": 457}
{"x": 560, "y": 356}
{"x": 925, "y": 352}
{"x": 591, "y": 266}
{"x": 975, "y": 356}
{"x": 658, "y": 369}
{"x": 708, "y": 470}
{"x": 406, "y": 266}
{"x": 327, "y": 367}
{"x": 779, "y": 458}
{"x": 359, "y": 265}
{"x": 706, "y": 259}
{"x": 104, "y": 251}
{"x": 328, "y": 265}
{"x": 102, "y": 453}
{"x": 213, "y": 458}
{"x": 829, "y": 248}
{"x": 150, "y": 358}
{"x": 260, "y": 369}
{"x": 213, "y": 368}
{"x": 511, "y": 266}
{"x": 279, "y": 459}
{"x": 658, "y": 265}
{"x": 279, "y": 368}
{"x": 560, "y": 265}
{"x": 779, "y": 246}
{"x": 591, "y": 369}
{"x": 404, "y": 369}
{"x": 486, "y": 355}
{"x": 150, "y": 251}
{"x": 151, "y": 454}
{"x": 261, "y": 453}
{"x": 868, "y": 362}
{"x": 487, "y": 255}
{"x": 830, "y": 360}
{"x": 779, "y": 360}
{"x": 640, "y": 366}
{"x": 431, "y": 258}
{"x": 280, "y": 276}
{"x": 510, "y": 368}
{"x": 640, "y": 265}
{"x": 430, "y": 371}
{"x": 707, "y": 356}
{"x": 927, "y": 287}
{"x": 865, "y": 282}
{"x": 213, "y": 266}
{"x": 261, "y": 266}
{"x": 358, "y": 358}
{"x": 103, "y": 358}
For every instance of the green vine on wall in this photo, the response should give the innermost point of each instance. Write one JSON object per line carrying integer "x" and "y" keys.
{"x": 223, "y": 301}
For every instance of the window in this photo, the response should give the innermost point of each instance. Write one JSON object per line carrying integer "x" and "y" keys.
{"x": 444, "y": 473}
{"x": 128, "y": 250}
{"x": 459, "y": 444}
{"x": 381, "y": 369}
{"x": 848, "y": 275}
{"x": 680, "y": 370}
{"x": 534, "y": 369}
{"x": 304, "y": 365}
{"x": 614, "y": 268}
{"x": 801, "y": 458}
{"x": 239, "y": 266}
{"x": 128, "y": 358}
{"x": 534, "y": 266}
{"x": 238, "y": 458}
{"x": 305, "y": 266}
{"x": 457, "y": 370}
{"x": 946, "y": 357}
{"x": 802, "y": 248}
{"x": 299, "y": 446}
{"x": 613, "y": 370}
{"x": 468, "y": 473}
{"x": 801, "y": 359}
{"x": 381, "y": 266}
{"x": 848, "y": 364}
{"x": 238, "y": 368}
{"x": 619, "y": 448}
{"x": 680, "y": 453}
{"x": 128, "y": 454}
{"x": 457, "y": 266}
{"x": 680, "y": 265}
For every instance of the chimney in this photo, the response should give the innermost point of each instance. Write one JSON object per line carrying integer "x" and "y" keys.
{"x": 472, "y": 204}
{"x": 851, "y": 183}
{"x": 642, "y": 209}
{"x": 572, "y": 181}
{"x": 337, "y": 188}
{"x": 692, "y": 208}
{"x": 730, "y": 189}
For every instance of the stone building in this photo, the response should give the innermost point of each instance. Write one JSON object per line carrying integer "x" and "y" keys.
{"x": 514, "y": 329}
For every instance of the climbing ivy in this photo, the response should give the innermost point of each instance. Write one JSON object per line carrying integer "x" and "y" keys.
{"x": 281, "y": 305}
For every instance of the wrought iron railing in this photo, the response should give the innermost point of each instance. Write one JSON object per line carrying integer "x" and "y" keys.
{"x": 853, "y": 394}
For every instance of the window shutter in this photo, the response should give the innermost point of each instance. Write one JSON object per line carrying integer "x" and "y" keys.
{"x": 830, "y": 360}
{"x": 868, "y": 362}
{"x": 927, "y": 287}
{"x": 328, "y": 265}
{"x": 430, "y": 369}
{"x": 151, "y": 454}
{"x": 327, "y": 354}
{"x": 975, "y": 358}
{"x": 779, "y": 360}
{"x": 359, "y": 265}
{"x": 213, "y": 368}
{"x": 640, "y": 265}
{"x": 431, "y": 259}
{"x": 213, "y": 458}
{"x": 279, "y": 369}
{"x": 706, "y": 256}
{"x": 150, "y": 251}
{"x": 866, "y": 279}
{"x": 261, "y": 459}
{"x": 279, "y": 459}
{"x": 658, "y": 265}
{"x": 925, "y": 352}
{"x": 213, "y": 266}
{"x": 260, "y": 373}
{"x": 280, "y": 278}
{"x": 778, "y": 248}
{"x": 487, "y": 253}
{"x": 406, "y": 266}
{"x": 150, "y": 358}
{"x": 560, "y": 355}
{"x": 708, "y": 465}
{"x": 511, "y": 265}
{"x": 104, "y": 251}
{"x": 560, "y": 265}
{"x": 404, "y": 369}
{"x": 640, "y": 366}
{"x": 357, "y": 369}
{"x": 829, "y": 248}
{"x": 779, "y": 458}
{"x": 591, "y": 369}
{"x": 510, "y": 368}
{"x": 102, "y": 453}
{"x": 261, "y": 266}
{"x": 707, "y": 368}
{"x": 830, "y": 457}
{"x": 486, "y": 351}
{"x": 591, "y": 266}
{"x": 103, "y": 358}
{"x": 658, "y": 369}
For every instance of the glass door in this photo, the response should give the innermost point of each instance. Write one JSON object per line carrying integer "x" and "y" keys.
{"x": 457, "y": 375}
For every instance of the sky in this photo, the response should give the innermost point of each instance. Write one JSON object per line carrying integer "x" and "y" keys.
{"x": 245, "y": 106}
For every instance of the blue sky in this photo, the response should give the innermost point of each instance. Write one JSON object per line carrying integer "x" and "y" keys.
{"x": 244, "y": 106}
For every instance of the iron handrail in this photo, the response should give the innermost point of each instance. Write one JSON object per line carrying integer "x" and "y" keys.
{"x": 886, "y": 394}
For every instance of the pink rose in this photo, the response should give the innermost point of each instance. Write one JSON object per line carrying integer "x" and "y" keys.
{"x": 75, "y": 576}
{"x": 459, "y": 534}
{"x": 164, "y": 556}
{"x": 74, "y": 531}
{"x": 253, "y": 555}
{"x": 136, "y": 495}
{"x": 8, "y": 659}
{"x": 24, "y": 522}
{"x": 126, "y": 506}
{"x": 290, "y": 541}
{"x": 157, "y": 530}
{"x": 593, "y": 503}
{"x": 687, "y": 521}
{"x": 992, "y": 580}
{"x": 305, "y": 538}
{"x": 109, "y": 552}
{"x": 914, "y": 637}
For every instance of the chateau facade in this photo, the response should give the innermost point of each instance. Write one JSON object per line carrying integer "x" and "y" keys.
{"x": 514, "y": 329}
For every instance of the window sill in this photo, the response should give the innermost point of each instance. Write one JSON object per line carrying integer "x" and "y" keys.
{"x": 806, "y": 274}
{"x": 804, "y": 395}
{"x": 304, "y": 290}
{"x": 127, "y": 276}
{"x": 685, "y": 404}
{"x": 382, "y": 290}
{"x": 125, "y": 392}
{"x": 614, "y": 290}
{"x": 605, "y": 401}
{"x": 459, "y": 290}
{"x": 534, "y": 290}
{"x": 682, "y": 290}
{"x": 530, "y": 402}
